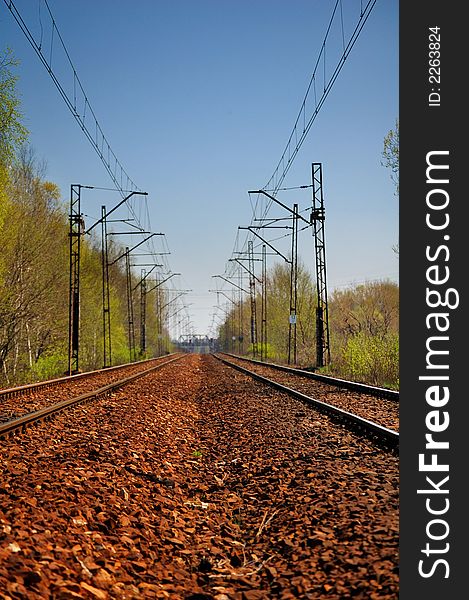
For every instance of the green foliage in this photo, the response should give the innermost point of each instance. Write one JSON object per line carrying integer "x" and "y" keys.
{"x": 50, "y": 366}
{"x": 34, "y": 280}
{"x": 390, "y": 154}
{"x": 12, "y": 132}
{"x": 363, "y": 326}
{"x": 34, "y": 290}
{"x": 372, "y": 308}
{"x": 119, "y": 339}
{"x": 32, "y": 269}
{"x": 267, "y": 350}
{"x": 260, "y": 349}
{"x": 278, "y": 307}
{"x": 372, "y": 359}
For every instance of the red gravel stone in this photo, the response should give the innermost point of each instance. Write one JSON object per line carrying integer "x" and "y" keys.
{"x": 196, "y": 482}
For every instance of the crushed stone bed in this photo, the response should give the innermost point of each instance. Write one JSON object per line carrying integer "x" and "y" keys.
{"x": 196, "y": 482}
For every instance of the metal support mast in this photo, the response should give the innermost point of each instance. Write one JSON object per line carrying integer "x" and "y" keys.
{"x": 233, "y": 322}
{"x": 293, "y": 289}
{"x": 107, "y": 354}
{"x": 77, "y": 227}
{"x": 322, "y": 314}
{"x": 159, "y": 307}
{"x": 294, "y": 269}
{"x": 130, "y": 308}
{"x": 252, "y": 293}
{"x": 77, "y": 230}
{"x": 240, "y": 313}
{"x": 159, "y": 317}
{"x": 143, "y": 312}
{"x": 264, "y": 305}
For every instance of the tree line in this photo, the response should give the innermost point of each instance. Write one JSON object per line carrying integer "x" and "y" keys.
{"x": 363, "y": 325}
{"x": 34, "y": 269}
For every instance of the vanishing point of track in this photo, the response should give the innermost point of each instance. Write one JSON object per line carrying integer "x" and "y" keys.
{"x": 363, "y": 426}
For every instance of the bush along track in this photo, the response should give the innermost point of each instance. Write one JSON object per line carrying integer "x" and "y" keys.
{"x": 196, "y": 482}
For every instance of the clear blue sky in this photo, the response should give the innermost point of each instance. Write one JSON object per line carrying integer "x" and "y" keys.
{"x": 197, "y": 99}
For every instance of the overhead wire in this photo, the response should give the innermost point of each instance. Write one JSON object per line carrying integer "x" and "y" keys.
{"x": 299, "y": 132}
{"x": 93, "y": 138}
{"x": 279, "y": 173}
{"x": 79, "y": 105}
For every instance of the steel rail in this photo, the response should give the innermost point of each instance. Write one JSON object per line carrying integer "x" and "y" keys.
{"x": 351, "y": 385}
{"x": 29, "y": 387}
{"x": 10, "y": 427}
{"x": 373, "y": 430}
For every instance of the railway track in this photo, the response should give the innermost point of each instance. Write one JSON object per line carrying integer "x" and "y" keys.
{"x": 28, "y": 404}
{"x": 371, "y": 390}
{"x": 379, "y": 405}
{"x": 383, "y": 435}
{"x": 22, "y": 390}
{"x": 17, "y": 402}
{"x": 197, "y": 481}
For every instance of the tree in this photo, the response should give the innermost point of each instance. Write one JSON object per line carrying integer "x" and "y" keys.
{"x": 12, "y": 132}
{"x": 278, "y": 302}
{"x": 364, "y": 325}
{"x": 390, "y": 154}
{"x": 390, "y": 160}
{"x": 33, "y": 268}
{"x": 365, "y": 328}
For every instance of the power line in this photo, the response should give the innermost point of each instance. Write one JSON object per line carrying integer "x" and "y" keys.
{"x": 312, "y": 101}
{"x": 78, "y": 103}
{"x": 303, "y": 122}
{"x": 75, "y": 99}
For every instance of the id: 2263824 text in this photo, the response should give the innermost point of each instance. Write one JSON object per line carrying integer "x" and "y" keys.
{"x": 434, "y": 72}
